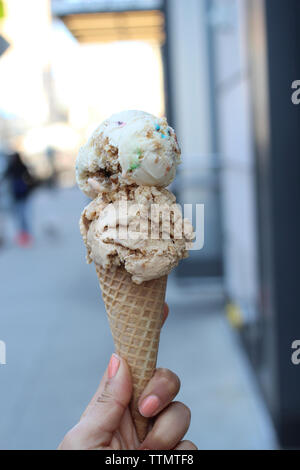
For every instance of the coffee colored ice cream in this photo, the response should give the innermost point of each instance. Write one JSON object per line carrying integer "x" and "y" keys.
{"x": 141, "y": 229}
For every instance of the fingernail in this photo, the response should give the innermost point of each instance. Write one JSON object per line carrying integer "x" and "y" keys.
{"x": 113, "y": 366}
{"x": 149, "y": 405}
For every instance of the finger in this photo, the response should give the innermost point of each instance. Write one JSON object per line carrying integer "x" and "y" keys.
{"x": 160, "y": 391}
{"x": 169, "y": 428}
{"x": 104, "y": 416}
{"x": 165, "y": 313}
{"x": 186, "y": 445}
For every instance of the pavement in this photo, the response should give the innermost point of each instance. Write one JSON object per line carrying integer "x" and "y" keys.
{"x": 58, "y": 342}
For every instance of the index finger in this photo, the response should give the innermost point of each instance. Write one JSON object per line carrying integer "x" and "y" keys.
{"x": 166, "y": 313}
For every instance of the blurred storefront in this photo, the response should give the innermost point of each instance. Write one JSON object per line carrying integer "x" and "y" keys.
{"x": 232, "y": 64}
{"x": 274, "y": 38}
{"x": 190, "y": 94}
{"x": 253, "y": 64}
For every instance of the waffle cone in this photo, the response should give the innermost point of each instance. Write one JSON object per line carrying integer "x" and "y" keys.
{"x": 135, "y": 314}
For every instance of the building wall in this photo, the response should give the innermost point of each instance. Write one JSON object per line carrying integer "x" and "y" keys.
{"x": 228, "y": 19}
{"x": 188, "y": 54}
{"x": 191, "y": 105}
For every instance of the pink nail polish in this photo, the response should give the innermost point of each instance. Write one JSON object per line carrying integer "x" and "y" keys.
{"x": 149, "y": 406}
{"x": 113, "y": 366}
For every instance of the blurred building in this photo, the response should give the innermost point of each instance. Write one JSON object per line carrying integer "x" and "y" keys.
{"x": 273, "y": 38}
{"x": 240, "y": 112}
{"x": 233, "y": 64}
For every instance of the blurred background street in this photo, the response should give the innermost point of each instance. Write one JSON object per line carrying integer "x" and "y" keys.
{"x": 219, "y": 70}
{"x": 59, "y": 343}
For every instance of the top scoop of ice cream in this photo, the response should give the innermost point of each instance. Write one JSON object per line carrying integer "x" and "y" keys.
{"x": 131, "y": 147}
{"x": 141, "y": 229}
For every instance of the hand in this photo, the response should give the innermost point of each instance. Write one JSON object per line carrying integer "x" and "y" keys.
{"x": 107, "y": 422}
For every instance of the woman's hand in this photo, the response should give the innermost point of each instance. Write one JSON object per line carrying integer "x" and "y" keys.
{"x": 107, "y": 421}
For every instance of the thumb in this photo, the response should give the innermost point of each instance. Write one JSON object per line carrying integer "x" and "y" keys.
{"x": 104, "y": 418}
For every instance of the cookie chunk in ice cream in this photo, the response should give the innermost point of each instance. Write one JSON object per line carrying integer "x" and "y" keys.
{"x": 131, "y": 147}
{"x": 141, "y": 229}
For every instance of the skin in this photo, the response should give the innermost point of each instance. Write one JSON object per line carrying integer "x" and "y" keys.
{"x": 106, "y": 424}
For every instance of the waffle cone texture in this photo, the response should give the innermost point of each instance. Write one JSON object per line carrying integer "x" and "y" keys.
{"x": 135, "y": 314}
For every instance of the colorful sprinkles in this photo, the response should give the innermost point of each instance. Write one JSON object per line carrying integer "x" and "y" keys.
{"x": 133, "y": 166}
{"x": 136, "y": 163}
{"x": 120, "y": 123}
{"x": 162, "y": 134}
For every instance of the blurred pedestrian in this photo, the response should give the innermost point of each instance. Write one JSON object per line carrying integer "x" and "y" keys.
{"x": 21, "y": 183}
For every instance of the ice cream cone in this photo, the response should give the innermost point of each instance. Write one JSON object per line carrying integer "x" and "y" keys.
{"x": 135, "y": 315}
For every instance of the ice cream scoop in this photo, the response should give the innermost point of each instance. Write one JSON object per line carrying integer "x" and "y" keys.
{"x": 131, "y": 147}
{"x": 145, "y": 233}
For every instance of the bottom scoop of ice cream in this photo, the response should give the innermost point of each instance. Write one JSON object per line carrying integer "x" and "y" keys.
{"x": 141, "y": 229}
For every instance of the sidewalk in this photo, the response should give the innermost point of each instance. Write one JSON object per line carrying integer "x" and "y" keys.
{"x": 58, "y": 345}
